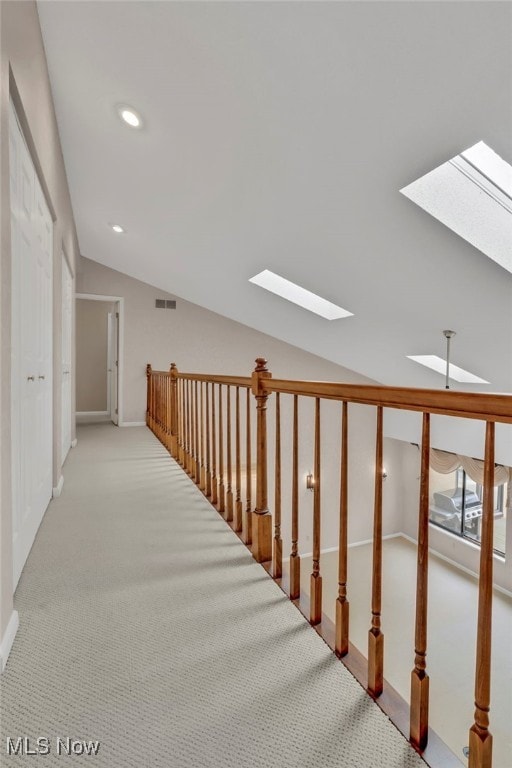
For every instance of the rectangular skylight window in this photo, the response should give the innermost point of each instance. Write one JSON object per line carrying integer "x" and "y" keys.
{"x": 491, "y": 165}
{"x": 298, "y": 295}
{"x": 438, "y": 365}
{"x": 472, "y": 195}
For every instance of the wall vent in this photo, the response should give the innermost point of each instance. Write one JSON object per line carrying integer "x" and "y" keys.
{"x": 165, "y": 303}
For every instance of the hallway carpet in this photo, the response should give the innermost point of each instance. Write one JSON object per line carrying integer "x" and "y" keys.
{"x": 147, "y": 626}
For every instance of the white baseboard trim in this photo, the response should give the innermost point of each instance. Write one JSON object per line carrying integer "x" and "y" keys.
{"x": 74, "y": 443}
{"x": 8, "y": 639}
{"x": 370, "y": 541}
{"x": 92, "y": 413}
{"x": 133, "y": 424}
{"x": 58, "y": 489}
{"x": 335, "y": 549}
{"x": 457, "y": 565}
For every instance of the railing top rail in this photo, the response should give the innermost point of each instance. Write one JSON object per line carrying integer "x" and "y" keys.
{"x": 235, "y": 381}
{"x": 470, "y": 405}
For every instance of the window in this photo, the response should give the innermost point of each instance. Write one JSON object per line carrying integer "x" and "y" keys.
{"x": 456, "y": 506}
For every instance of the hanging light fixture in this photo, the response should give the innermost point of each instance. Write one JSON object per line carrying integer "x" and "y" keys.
{"x": 448, "y": 335}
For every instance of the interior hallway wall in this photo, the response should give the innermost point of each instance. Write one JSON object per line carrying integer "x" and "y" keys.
{"x": 24, "y": 77}
{"x": 91, "y": 354}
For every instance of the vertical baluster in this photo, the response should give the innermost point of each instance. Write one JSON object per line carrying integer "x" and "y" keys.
{"x": 247, "y": 516}
{"x": 229, "y": 468}
{"x": 168, "y": 411}
{"x": 202, "y": 483}
{"x": 161, "y": 401}
{"x": 182, "y": 424}
{"x": 261, "y": 517}
{"x": 294, "y": 556}
{"x": 189, "y": 441}
{"x": 222, "y": 491}
{"x": 315, "y": 611}
{"x": 167, "y": 381}
{"x": 159, "y": 406}
{"x": 165, "y": 410}
{"x": 214, "y": 494}
{"x": 208, "y": 489}
{"x": 174, "y": 410}
{"x": 178, "y": 419}
{"x": 185, "y": 424}
{"x": 375, "y": 636}
{"x": 342, "y": 605}
{"x": 480, "y": 738}
{"x": 197, "y": 476}
{"x": 419, "y": 677}
{"x": 190, "y": 429}
{"x": 155, "y": 403}
{"x": 192, "y": 433}
{"x": 238, "y": 466}
{"x": 148, "y": 395}
{"x": 278, "y": 543}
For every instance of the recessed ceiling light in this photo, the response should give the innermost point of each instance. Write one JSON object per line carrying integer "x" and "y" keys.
{"x": 472, "y": 195}
{"x": 438, "y": 365}
{"x": 298, "y": 295}
{"x": 117, "y": 228}
{"x": 130, "y": 116}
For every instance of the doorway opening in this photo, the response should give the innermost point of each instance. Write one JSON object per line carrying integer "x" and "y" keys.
{"x": 99, "y": 340}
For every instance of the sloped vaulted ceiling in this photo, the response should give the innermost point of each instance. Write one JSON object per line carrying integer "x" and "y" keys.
{"x": 277, "y": 136}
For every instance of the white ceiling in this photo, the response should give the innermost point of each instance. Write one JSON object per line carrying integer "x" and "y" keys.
{"x": 277, "y": 136}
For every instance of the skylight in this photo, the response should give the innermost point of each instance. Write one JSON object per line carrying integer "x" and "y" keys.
{"x": 298, "y": 295}
{"x": 472, "y": 195}
{"x": 438, "y": 365}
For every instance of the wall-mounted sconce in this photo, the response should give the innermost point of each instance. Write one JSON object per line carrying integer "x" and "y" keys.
{"x": 384, "y": 473}
{"x": 310, "y": 482}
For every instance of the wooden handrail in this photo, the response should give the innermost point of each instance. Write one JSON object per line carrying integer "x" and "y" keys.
{"x": 468, "y": 405}
{"x": 192, "y": 423}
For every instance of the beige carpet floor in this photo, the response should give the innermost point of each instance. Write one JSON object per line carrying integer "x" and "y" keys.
{"x": 146, "y": 626}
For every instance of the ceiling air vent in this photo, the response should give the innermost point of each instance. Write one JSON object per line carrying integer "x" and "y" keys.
{"x": 165, "y": 303}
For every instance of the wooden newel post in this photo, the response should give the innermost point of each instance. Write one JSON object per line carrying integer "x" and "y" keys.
{"x": 480, "y": 738}
{"x": 174, "y": 410}
{"x": 261, "y": 517}
{"x": 419, "y": 676}
{"x": 148, "y": 397}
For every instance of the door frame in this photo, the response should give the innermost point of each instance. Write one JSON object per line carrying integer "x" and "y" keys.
{"x": 119, "y": 300}
{"x": 65, "y": 265}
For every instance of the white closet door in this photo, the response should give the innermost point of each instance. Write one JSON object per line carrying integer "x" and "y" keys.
{"x": 31, "y": 378}
{"x": 67, "y": 309}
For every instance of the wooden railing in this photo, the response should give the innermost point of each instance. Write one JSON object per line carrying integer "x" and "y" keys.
{"x": 193, "y": 414}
